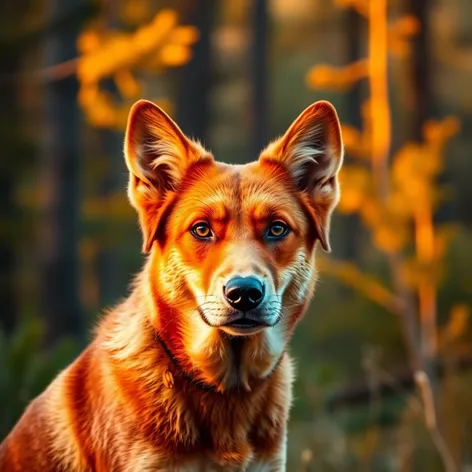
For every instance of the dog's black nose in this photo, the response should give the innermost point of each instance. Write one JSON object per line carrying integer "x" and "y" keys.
{"x": 244, "y": 293}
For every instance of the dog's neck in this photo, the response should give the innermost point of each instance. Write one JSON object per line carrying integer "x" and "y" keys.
{"x": 214, "y": 360}
{"x": 145, "y": 329}
{"x": 148, "y": 380}
{"x": 151, "y": 381}
{"x": 177, "y": 372}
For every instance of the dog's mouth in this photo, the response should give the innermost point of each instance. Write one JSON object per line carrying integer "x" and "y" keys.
{"x": 241, "y": 324}
{"x": 245, "y": 323}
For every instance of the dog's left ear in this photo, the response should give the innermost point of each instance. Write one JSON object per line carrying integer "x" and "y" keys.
{"x": 158, "y": 156}
{"x": 312, "y": 152}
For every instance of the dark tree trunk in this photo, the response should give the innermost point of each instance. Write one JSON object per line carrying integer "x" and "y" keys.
{"x": 8, "y": 211}
{"x": 195, "y": 78}
{"x": 108, "y": 264}
{"x": 10, "y": 13}
{"x": 110, "y": 148}
{"x": 353, "y": 22}
{"x": 350, "y": 224}
{"x": 260, "y": 92}
{"x": 60, "y": 264}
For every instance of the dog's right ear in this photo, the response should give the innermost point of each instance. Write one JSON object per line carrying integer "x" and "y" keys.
{"x": 311, "y": 151}
{"x": 158, "y": 155}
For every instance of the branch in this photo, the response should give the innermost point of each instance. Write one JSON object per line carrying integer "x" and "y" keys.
{"x": 424, "y": 385}
{"x": 48, "y": 74}
{"x": 401, "y": 380}
{"x": 366, "y": 284}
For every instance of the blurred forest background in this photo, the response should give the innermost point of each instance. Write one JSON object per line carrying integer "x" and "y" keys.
{"x": 385, "y": 353}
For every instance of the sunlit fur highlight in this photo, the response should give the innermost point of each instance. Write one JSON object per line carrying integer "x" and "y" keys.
{"x": 158, "y": 388}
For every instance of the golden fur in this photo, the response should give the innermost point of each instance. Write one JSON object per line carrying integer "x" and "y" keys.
{"x": 164, "y": 385}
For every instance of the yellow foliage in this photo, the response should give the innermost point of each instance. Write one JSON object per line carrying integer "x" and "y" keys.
{"x": 459, "y": 320}
{"x": 121, "y": 50}
{"x": 157, "y": 45}
{"x": 396, "y": 199}
{"x": 399, "y": 47}
{"x": 456, "y": 328}
{"x": 439, "y": 132}
{"x": 354, "y": 142}
{"x": 390, "y": 235}
{"x": 415, "y": 273}
{"x": 323, "y": 76}
{"x": 88, "y": 41}
{"x": 414, "y": 161}
{"x": 400, "y": 33}
{"x": 400, "y": 204}
{"x": 320, "y": 76}
{"x": 184, "y": 35}
{"x": 99, "y": 105}
{"x": 365, "y": 283}
{"x": 175, "y": 54}
{"x": 127, "y": 84}
{"x": 407, "y": 26}
{"x": 355, "y": 182}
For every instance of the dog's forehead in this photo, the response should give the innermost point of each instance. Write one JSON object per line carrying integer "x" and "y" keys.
{"x": 244, "y": 185}
{"x": 225, "y": 191}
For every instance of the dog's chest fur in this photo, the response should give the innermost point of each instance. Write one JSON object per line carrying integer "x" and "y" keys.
{"x": 173, "y": 426}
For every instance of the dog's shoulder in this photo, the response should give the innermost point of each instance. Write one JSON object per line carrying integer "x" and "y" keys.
{"x": 33, "y": 443}
{"x": 54, "y": 430}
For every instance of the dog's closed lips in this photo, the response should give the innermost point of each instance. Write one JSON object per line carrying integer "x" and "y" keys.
{"x": 244, "y": 323}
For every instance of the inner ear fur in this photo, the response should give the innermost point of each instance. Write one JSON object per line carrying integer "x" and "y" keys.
{"x": 158, "y": 155}
{"x": 311, "y": 151}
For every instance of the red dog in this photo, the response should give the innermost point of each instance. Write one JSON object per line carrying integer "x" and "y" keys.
{"x": 191, "y": 372}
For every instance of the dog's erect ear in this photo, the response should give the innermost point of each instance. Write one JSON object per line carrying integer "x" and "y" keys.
{"x": 158, "y": 155}
{"x": 312, "y": 152}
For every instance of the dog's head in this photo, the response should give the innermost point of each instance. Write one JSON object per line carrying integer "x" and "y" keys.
{"x": 232, "y": 246}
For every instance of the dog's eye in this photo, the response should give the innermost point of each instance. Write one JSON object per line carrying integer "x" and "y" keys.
{"x": 277, "y": 230}
{"x": 202, "y": 231}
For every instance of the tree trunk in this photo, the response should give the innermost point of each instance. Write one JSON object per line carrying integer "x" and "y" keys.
{"x": 10, "y": 13}
{"x": 195, "y": 78}
{"x": 108, "y": 264}
{"x": 260, "y": 108}
{"x": 60, "y": 264}
{"x": 350, "y": 224}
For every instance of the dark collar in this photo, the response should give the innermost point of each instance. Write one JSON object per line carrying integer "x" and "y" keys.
{"x": 179, "y": 371}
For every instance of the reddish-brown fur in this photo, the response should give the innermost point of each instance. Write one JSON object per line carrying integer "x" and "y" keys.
{"x": 158, "y": 388}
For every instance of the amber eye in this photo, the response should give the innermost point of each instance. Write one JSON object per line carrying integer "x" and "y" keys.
{"x": 277, "y": 230}
{"x": 201, "y": 231}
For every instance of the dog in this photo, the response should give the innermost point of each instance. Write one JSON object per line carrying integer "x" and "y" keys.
{"x": 192, "y": 371}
